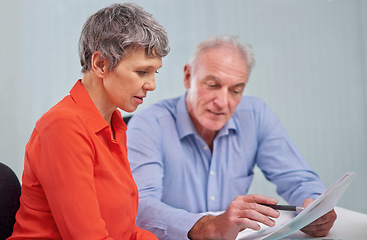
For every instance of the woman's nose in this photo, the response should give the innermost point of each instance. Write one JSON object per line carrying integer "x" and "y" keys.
{"x": 150, "y": 84}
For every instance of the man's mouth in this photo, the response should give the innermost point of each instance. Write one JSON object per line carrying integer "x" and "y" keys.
{"x": 216, "y": 113}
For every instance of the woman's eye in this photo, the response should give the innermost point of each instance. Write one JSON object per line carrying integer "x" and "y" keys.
{"x": 141, "y": 72}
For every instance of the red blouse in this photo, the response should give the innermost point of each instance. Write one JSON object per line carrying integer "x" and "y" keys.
{"x": 77, "y": 182}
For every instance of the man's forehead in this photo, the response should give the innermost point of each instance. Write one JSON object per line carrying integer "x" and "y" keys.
{"x": 232, "y": 83}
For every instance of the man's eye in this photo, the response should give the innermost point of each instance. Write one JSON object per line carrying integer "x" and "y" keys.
{"x": 237, "y": 91}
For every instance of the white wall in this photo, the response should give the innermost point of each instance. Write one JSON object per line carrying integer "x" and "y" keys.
{"x": 311, "y": 69}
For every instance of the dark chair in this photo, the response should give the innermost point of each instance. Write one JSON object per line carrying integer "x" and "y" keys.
{"x": 9, "y": 200}
{"x": 127, "y": 118}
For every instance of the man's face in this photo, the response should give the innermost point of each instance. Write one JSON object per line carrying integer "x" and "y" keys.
{"x": 215, "y": 87}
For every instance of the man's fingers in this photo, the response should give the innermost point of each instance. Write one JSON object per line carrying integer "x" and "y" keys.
{"x": 248, "y": 210}
{"x": 247, "y": 223}
{"x": 258, "y": 214}
{"x": 321, "y": 227}
{"x": 317, "y": 230}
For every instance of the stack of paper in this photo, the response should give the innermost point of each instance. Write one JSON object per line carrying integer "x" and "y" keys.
{"x": 287, "y": 224}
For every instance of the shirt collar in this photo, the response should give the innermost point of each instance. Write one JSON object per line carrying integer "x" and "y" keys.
{"x": 94, "y": 118}
{"x": 186, "y": 127}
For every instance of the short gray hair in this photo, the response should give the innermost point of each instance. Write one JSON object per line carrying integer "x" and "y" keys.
{"x": 221, "y": 42}
{"x": 116, "y": 30}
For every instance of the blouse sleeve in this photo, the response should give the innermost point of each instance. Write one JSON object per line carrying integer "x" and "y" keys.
{"x": 62, "y": 159}
{"x": 142, "y": 234}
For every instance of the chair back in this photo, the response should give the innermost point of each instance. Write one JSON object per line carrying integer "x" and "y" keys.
{"x": 127, "y": 119}
{"x": 9, "y": 200}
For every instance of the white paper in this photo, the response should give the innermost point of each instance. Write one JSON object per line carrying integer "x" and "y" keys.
{"x": 322, "y": 205}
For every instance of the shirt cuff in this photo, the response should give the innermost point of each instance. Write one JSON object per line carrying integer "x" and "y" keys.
{"x": 182, "y": 224}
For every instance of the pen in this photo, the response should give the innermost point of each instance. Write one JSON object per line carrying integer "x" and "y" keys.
{"x": 284, "y": 207}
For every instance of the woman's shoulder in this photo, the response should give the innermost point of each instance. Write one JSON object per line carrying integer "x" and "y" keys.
{"x": 64, "y": 112}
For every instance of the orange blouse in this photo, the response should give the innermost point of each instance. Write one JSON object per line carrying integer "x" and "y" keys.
{"x": 77, "y": 182}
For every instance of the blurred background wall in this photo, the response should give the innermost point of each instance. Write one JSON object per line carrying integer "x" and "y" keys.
{"x": 311, "y": 69}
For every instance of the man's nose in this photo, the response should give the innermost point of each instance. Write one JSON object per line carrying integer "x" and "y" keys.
{"x": 221, "y": 98}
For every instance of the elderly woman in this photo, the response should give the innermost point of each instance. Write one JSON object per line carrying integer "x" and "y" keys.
{"x": 77, "y": 182}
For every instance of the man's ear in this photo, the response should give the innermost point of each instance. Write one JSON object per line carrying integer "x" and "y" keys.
{"x": 100, "y": 64}
{"x": 187, "y": 76}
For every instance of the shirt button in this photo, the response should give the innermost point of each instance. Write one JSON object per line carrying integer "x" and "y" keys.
{"x": 205, "y": 147}
{"x": 211, "y": 172}
{"x": 212, "y": 198}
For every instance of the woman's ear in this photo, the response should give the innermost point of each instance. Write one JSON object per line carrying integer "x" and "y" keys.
{"x": 187, "y": 76}
{"x": 100, "y": 64}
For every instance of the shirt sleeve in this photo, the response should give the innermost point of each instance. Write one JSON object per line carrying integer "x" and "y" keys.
{"x": 282, "y": 163}
{"x": 62, "y": 159}
{"x": 148, "y": 171}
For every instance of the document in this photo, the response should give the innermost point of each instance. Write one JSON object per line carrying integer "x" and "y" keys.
{"x": 287, "y": 224}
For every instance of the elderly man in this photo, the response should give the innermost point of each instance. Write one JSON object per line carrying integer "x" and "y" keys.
{"x": 196, "y": 153}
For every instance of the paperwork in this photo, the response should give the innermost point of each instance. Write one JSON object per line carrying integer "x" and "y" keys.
{"x": 285, "y": 226}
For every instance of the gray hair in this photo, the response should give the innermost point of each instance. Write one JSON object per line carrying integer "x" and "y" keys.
{"x": 224, "y": 41}
{"x": 116, "y": 30}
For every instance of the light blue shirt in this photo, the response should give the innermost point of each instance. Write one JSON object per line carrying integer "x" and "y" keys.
{"x": 178, "y": 176}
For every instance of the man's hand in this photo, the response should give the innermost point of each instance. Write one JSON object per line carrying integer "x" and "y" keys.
{"x": 243, "y": 212}
{"x": 321, "y": 226}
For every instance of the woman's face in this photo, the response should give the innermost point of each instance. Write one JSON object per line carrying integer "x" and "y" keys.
{"x": 127, "y": 85}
